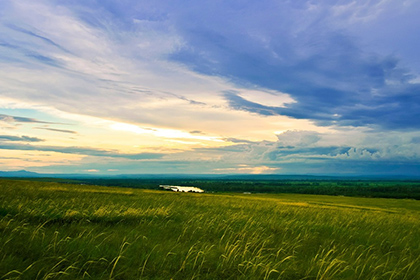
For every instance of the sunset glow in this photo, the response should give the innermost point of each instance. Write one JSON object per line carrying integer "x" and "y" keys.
{"x": 264, "y": 87}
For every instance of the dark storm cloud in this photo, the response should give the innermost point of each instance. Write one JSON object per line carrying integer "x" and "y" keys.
{"x": 398, "y": 109}
{"x": 323, "y": 68}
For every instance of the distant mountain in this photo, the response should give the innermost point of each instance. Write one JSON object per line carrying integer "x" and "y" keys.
{"x": 29, "y": 174}
{"x": 20, "y": 173}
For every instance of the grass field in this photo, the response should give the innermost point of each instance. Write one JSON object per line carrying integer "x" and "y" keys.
{"x": 62, "y": 231}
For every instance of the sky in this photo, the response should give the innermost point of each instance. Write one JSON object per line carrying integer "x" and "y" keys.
{"x": 210, "y": 87}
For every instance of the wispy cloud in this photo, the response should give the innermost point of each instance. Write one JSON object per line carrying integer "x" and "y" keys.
{"x": 81, "y": 151}
{"x": 31, "y": 33}
{"x": 20, "y": 138}
{"x": 57, "y": 130}
{"x": 9, "y": 118}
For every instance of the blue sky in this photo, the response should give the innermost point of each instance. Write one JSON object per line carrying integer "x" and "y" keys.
{"x": 279, "y": 87}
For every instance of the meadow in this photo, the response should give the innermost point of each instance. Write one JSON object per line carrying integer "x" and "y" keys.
{"x": 385, "y": 188}
{"x": 51, "y": 230}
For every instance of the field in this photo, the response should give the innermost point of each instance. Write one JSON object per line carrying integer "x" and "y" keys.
{"x": 272, "y": 184}
{"x": 51, "y": 230}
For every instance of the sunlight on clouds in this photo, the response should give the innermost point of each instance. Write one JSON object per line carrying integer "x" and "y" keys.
{"x": 184, "y": 142}
{"x": 164, "y": 133}
{"x": 186, "y": 101}
{"x": 15, "y": 159}
{"x": 101, "y": 133}
{"x": 243, "y": 168}
{"x": 129, "y": 79}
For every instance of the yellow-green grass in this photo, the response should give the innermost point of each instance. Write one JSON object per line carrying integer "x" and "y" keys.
{"x": 62, "y": 231}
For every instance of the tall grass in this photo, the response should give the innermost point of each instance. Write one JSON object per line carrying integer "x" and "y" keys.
{"x": 58, "y": 231}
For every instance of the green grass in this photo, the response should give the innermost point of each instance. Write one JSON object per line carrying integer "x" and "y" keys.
{"x": 63, "y": 231}
{"x": 334, "y": 186}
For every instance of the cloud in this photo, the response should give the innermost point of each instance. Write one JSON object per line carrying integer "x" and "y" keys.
{"x": 246, "y": 169}
{"x": 124, "y": 56}
{"x": 57, "y": 130}
{"x": 323, "y": 68}
{"x": 20, "y": 138}
{"x": 298, "y": 138}
{"x": 295, "y": 152}
{"x": 238, "y": 103}
{"x": 307, "y": 152}
{"x": 339, "y": 78}
{"x": 415, "y": 140}
{"x": 13, "y": 119}
{"x": 82, "y": 151}
{"x": 237, "y": 140}
{"x": 62, "y": 54}
{"x": 307, "y": 50}
{"x": 92, "y": 170}
{"x": 31, "y": 33}
{"x": 398, "y": 109}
